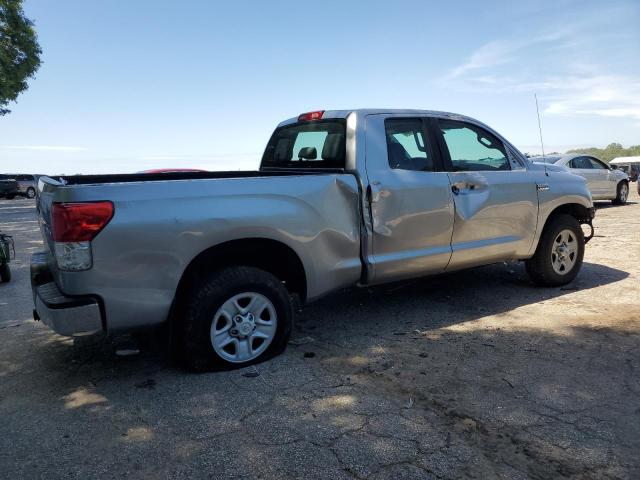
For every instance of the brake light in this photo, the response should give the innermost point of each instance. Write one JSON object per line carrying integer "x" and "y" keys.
{"x": 79, "y": 222}
{"x": 306, "y": 117}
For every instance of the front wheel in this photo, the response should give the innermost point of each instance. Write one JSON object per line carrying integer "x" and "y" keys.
{"x": 235, "y": 317}
{"x": 559, "y": 255}
{"x": 31, "y": 192}
{"x": 622, "y": 193}
{"x": 5, "y": 273}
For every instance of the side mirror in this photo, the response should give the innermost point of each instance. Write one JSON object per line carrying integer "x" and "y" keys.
{"x": 614, "y": 167}
{"x": 308, "y": 153}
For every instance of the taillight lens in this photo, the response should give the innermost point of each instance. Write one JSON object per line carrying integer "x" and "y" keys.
{"x": 79, "y": 222}
{"x": 306, "y": 117}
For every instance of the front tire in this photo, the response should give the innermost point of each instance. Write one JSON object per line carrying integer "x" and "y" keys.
{"x": 622, "y": 193}
{"x": 235, "y": 317}
{"x": 31, "y": 192}
{"x": 559, "y": 255}
{"x": 5, "y": 273}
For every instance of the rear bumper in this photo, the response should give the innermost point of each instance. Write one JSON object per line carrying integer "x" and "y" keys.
{"x": 70, "y": 316}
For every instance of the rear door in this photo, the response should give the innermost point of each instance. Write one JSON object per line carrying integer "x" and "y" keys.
{"x": 410, "y": 198}
{"x": 496, "y": 200}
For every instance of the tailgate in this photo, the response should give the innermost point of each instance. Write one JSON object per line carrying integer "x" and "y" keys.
{"x": 46, "y": 191}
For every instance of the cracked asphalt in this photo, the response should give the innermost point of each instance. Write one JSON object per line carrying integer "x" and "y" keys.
{"x": 476, "y": 374}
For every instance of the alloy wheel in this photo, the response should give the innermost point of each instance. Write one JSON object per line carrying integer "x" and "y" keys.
{"x": 243, "y": 327}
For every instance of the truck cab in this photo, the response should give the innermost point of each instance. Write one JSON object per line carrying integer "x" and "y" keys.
{"x": 442, "y": 191}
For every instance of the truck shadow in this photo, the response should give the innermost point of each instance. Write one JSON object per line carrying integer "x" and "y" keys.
{"x": 447, "y": 299}
{"x": 386, "y": 385}
{"x": 378, "y": 311}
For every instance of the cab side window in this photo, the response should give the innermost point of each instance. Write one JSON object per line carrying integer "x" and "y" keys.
{"x": 407, "y": 146}
{"x": 472, "y": 148}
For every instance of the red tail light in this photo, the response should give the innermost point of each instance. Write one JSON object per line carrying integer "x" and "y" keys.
{"x": 79, "y": 222}
{"x": 305, "y": 117}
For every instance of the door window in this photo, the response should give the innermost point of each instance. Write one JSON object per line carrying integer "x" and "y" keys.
{"x": 582, "y": 163}
{"x": 597, "y": 164}
{"x": 407, "y": 147}
{"x": 472, "y": 148}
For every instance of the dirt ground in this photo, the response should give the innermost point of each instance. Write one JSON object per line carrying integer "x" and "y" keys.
{"x": 476, "y": 374}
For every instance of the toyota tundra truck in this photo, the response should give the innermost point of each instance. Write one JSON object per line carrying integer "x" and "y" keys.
{"x": 341, "y": 198}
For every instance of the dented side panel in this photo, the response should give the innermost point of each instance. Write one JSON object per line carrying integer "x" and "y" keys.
{"x": 159, "y": 227}
{"x": 411, "y": 214}
{"x": 495, "y": 216}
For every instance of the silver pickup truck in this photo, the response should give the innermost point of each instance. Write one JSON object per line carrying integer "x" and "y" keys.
{"x": 341, "y": 198}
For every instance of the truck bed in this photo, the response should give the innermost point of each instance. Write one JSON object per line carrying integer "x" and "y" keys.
{"x": 153, "y": 177}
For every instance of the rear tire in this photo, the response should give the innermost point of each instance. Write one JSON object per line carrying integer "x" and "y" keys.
{"x": 31, "y": 192}
{"x": 622, "y": 193}
{"x": 559, "y": 255}
{"x": 215, "y": 305}
{"x": 10, "y": 196}
{"x": 5, "y": 273}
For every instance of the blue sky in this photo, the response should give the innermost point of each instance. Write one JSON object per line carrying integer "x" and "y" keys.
{"x": 130, "y": 85}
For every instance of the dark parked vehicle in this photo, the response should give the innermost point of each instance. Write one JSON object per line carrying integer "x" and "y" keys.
{"x": 7, "y": 251}
{"x": 8, "y": 187}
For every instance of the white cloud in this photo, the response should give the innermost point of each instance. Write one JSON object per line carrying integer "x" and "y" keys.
{"x": 489, "y": 55}
{"x": 596, "y": 95}
{"x": 501, "y": 52}
{"x": 573, "y": 74}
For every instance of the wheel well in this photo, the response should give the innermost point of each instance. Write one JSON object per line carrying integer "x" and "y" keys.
{"x": 579, "y": 212}
{"x": 269, "y": 255}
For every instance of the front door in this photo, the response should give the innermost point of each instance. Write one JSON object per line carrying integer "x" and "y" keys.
{"x": 496, "y": 199}
{"x": 605, "y": 179}
{"x": 410, "y": 199}
{"x": 582, "y": 166}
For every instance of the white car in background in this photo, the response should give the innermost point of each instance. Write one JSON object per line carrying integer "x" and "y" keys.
{"x": 604, "y": 182}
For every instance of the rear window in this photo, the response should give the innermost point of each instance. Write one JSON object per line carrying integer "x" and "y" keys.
{"x": 318, "y": 144}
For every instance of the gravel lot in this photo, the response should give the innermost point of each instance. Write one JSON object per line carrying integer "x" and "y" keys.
{"x": 476, "y": 374}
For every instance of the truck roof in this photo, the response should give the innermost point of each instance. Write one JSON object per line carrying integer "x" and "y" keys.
{"x": 363, "y": 112}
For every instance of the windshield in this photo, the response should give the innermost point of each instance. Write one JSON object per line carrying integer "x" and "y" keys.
{"x": 319, "y": 144}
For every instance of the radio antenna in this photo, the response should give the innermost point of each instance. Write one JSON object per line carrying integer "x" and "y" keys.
{"x": 544, "y": 159}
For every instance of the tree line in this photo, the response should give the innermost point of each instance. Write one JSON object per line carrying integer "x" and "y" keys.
{"x": 609, "y": 152}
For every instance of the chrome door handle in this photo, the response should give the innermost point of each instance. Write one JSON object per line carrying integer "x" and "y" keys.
{"x": 542, "y": 186}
